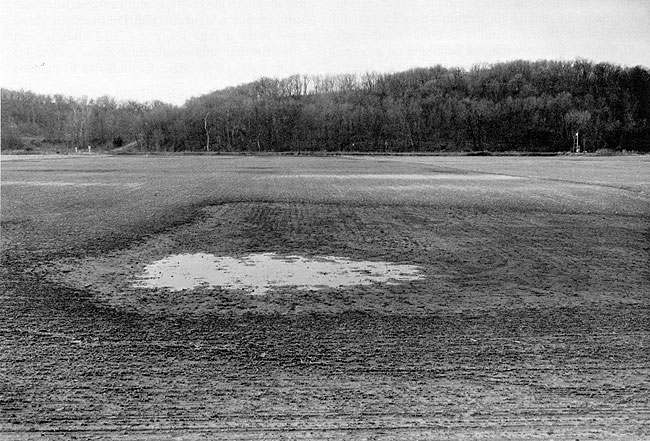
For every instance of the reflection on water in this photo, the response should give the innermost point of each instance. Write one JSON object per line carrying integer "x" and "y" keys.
{"x": 262, "y": 272}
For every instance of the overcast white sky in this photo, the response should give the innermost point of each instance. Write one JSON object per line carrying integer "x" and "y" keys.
{"x": 174, "y": 49}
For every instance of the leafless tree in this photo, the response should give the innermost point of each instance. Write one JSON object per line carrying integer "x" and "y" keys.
{"x": 207, "y": 132}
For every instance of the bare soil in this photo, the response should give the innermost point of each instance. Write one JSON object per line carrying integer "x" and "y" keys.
{"x": 533, "y": 320}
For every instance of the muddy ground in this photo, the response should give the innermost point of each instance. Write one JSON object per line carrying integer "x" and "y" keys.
{"x": 533, "y": 320}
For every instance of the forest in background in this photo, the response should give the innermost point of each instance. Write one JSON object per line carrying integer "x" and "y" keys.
{"x": 515, "y": 106}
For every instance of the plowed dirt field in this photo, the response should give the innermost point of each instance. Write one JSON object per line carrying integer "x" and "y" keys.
{"x": 531, "y": 319}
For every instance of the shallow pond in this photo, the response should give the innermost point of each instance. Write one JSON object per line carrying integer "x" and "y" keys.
{"x": 262, "y": 272}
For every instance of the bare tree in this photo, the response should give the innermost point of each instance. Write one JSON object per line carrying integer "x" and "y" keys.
{"x": 207, "y": 132}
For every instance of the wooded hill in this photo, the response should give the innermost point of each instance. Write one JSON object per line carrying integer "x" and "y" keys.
{"x": 514, "y": 106}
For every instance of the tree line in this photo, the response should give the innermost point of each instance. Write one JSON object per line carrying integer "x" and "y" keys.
{"x": 514, "y": 106}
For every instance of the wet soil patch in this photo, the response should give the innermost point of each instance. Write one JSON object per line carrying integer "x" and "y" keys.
{"x": 469, "y": 260}
{"x": 65, "y": 170}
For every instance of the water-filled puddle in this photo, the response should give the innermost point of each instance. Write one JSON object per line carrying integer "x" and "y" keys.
{"x": 262, "y": 272}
